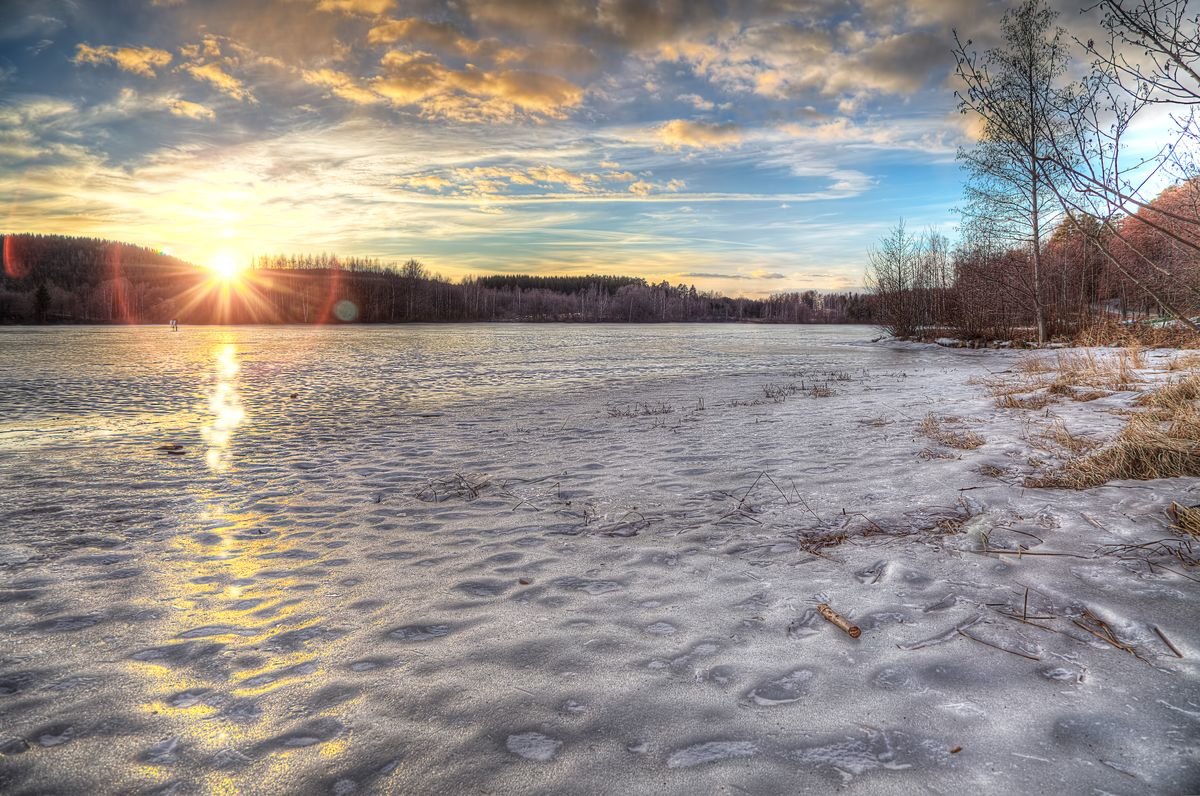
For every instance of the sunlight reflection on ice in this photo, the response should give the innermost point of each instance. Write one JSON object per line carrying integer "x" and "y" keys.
{"x": 226, "y": 407}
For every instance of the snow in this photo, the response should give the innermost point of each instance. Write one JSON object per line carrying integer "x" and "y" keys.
{"x": 447, "y": 566}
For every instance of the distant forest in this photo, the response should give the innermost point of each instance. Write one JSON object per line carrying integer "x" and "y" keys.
{"x": 59, "y": 279}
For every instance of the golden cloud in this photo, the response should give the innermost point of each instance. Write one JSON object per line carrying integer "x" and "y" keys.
{"x": 139, "y": 60}
{"x": 533, "y": 91}
{"x": 560, "y": 176}
{"x": 190, "y": 110}
{"x": 494, "y": 179}
{"x": 219, "y": 79}
{"x": 429, "y": 182}
{"x": 471, "y": 94}
{"x": 341, "y": 84}
{"x": 680, "y": 133}
{"x": 363, "y": 7}
{"x": 418, "y": 32}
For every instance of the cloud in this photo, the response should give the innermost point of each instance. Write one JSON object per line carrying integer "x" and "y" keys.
{"x": 430, "y": 182}
{"x": 18, "y": 26}
{"x": 697, "y": 102}
{"x": 138, "y": 60}
{"x": 420, "y": 33}
{"x": 562, "y": 19}
{"x": 555, "y": 175}
{"x": 472, "y": 95}
{"x": 220, "y": 79}
{"x": 497, "y": 179}
{"x": 898, "y": 64}
{"x": 815, "y": 56}
{"x": 358, "y": 7}
{"x": 680, "y": 133}
{"x": 841, "y": 130}
{"x": 341, "y": 84}
{"x": 760, "y": 274}
{"x": 189, "y": 110}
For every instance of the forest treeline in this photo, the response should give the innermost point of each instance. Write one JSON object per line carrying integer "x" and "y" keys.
{"x": 59, "y": 279}
{"x": 1059, "y": 237}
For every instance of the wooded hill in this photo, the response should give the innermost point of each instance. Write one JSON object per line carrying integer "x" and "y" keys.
{"x": 59, "y": 279}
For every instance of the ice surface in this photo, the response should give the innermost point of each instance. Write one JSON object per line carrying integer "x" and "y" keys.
{"x": 533, "y": 746}
{"x": 446, "y": 566}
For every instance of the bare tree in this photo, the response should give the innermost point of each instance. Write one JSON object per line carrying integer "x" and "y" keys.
{"x": 413, "y": 273}
{"x": 1150, "y": 58}
{"x": 891, "y": 274}
{"x": 1015, "y": 92}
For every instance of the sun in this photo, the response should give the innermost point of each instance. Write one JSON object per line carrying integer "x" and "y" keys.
{"x": 225, "y": 267}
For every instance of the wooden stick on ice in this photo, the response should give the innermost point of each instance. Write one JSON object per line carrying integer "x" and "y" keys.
{"x": 838, "y": 620}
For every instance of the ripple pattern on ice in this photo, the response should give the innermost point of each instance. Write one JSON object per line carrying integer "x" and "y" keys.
{"x": 420, "y": 632}
{"x": 791, "y": 687}
{"x": 711, "y": 752}
{"x": 533, "y": 746}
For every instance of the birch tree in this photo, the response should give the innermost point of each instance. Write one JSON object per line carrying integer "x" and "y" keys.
{"x": 1015, "y": 92}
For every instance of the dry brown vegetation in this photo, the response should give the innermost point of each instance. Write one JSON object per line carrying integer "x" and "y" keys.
{"x": 1174, "y": 396}
{"x": 1163, "y": 441}
{"x": 1112, "y": 333}
{"x": 1075, "y": 375}
{"x": 1086, "y": 369}
{"x": 1185, "y": 519}
{"x": 935, "y": 429}
{"x": 1037, "y": 400}
{"x": 1058, "y": 434}
{"x": 1185, "y": 362}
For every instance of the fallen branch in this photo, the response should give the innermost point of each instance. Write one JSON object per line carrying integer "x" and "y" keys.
{"x": 1167, "y": 641}
{"x": 838, "y": 621}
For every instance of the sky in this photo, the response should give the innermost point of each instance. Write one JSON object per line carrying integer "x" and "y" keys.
{"x": 744, "y": 147}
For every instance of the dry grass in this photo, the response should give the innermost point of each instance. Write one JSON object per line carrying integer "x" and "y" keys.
{"x": 1077, "y": 375}
{"x": 1037, "y": 400}
{"x": 641, "y": 410}
{"x": 1174, "y": 396}
{"x": 1185, "y": 519}
{"x": 1035, "y": 364}
{"x": 1077, "y": 393}
{"x": 1058, "y": 434}
{"x": 1162, "y": 442}
{"x": 1086, "y": 369}
{"x": 933, "y": 428}
{"x": 1186, "y": 362}
{"x": 1114, "y": 333}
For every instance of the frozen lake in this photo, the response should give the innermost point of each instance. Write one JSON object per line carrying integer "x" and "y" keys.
{"x": 544, "y": 558}
{"x": 121, "y": 370}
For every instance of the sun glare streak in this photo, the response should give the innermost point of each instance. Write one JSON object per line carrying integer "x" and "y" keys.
{"x": 227, "y": 412}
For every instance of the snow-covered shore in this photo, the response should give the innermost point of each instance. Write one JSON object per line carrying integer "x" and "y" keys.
{"x": 607, "y": 584}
